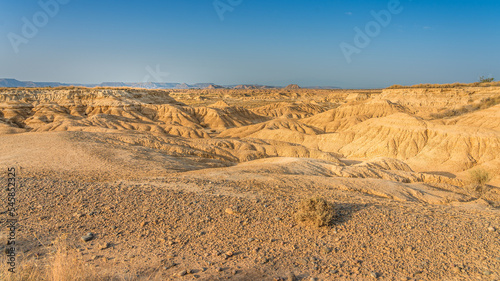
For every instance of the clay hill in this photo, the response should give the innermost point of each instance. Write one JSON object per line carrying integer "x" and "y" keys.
{"x": 292, "y": 87}
{"x": 205, "y": 184}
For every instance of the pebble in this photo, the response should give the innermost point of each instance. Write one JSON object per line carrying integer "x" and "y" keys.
{"x": 291, "y": 277}
{"x": 326, "y": 250}
{"x": 251, "y": 239}
{"x": 229, "y": 211}
{"x": 78, "y": 215}
{"x": 374, "y": 274}
{"x": 313, "y": 279}
{"x": 182, "y": 273}
{"x": 487, "y": 272}
{"x": 169, "y": 265}
{"x": 87, "y": 237}
{"x": 104, "y": 246}
{"x": 491, "y": 229}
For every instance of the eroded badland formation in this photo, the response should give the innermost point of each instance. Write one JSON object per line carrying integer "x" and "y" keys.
{"x": 204, "y": 184}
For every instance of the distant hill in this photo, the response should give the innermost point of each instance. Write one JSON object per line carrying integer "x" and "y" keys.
{"x": 13, "y": 83}
{"x": 16, "y": 83}
{"x": 247, "y": 87}
{"x": 292, "y": 87}
{"x": 322, "y": 87}
{"x": 214, "y": 87}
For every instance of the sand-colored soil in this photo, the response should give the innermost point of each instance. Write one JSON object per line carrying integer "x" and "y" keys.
{"x": 208, "y": 181}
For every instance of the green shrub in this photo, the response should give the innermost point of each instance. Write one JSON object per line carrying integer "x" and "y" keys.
{"x": 482, "y": 79}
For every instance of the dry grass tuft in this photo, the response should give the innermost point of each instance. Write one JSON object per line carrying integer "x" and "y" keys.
{"x": 315, "y": 212}
{"x": 478, "y": 181}
{"x": 453, "y": 85}
{"x": 61, "y": 265}
{"x": 483, "y": 104}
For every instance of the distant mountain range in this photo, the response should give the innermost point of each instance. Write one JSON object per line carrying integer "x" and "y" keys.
{"x": 13, "y": 83}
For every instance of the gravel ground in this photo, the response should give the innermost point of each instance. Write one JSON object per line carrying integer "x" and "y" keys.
{"x": 166, "y": 228}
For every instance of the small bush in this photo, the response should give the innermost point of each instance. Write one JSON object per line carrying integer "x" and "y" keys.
{"x": 315, "y": 212}
{"x": 478, "y": 181}
{"x": 482, "y": 79}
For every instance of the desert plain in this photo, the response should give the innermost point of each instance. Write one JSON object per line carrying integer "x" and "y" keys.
{"x": 134, "y": 184}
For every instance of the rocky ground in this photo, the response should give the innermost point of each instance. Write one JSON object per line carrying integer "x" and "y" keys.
{"x": 164, "y": 228}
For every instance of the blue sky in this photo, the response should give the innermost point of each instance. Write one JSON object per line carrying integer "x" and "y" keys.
{"x": 257, "y": 42}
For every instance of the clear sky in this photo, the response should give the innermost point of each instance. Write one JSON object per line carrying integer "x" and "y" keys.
{"x": 253, "y": 42}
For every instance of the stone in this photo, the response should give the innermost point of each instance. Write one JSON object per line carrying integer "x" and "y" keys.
{"x": 291, "y": 277}
{"x": 78, "y": 215}
{"x": 169, "y": 265}
{"x": 487, "y": 272}
{"x": 104, "y": 246}
{"x": 326, "y": 250}
{"x": 88, "y": 237}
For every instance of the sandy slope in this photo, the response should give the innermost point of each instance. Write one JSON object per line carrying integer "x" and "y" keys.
{"x": 209, "y": 181}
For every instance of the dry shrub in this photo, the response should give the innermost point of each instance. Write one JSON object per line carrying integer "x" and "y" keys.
{"x": 478, "y": 181}
{"x": 315, "y": 212}
{"x": 61, "y": 265}
{"x": 65, "y": 265}
{"x": 28, "y": 271}
{"x": 453, "y": 85}
{"x": 483, "y": 104}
